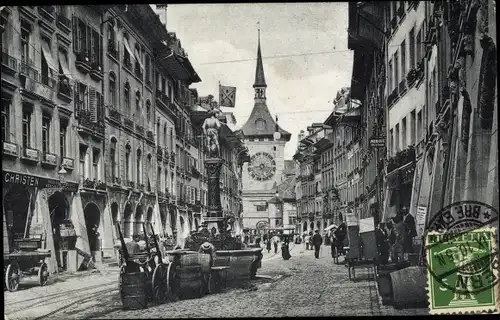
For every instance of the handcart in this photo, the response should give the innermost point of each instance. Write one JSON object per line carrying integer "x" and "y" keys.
{"x": 26, "y": 260}
{"x": 143, "y": 279}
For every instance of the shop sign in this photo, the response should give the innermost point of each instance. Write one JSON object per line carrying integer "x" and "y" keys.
{"x": 377, "y": 142}
{"x": 37, "y": 182}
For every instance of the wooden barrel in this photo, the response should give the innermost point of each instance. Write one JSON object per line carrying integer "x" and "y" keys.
{"x": 133, "y": 290}
{"x": 189, "y": 275}
{"x": 408, "y": 287}
{"x": 206, "y": 262}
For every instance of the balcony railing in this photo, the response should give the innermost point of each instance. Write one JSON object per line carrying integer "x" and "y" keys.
{"x": 126, "y": 63}
{"x": 150, "y": 135}
{"x": 85, "y": 121}
{"x": 402, "y": 86}
{"x": 29, "y": 71}
{"x": 129, "y": 124}
{"x": 112, "y": 50}
{"x": 401, "y": 158}
{"x": 138, "y": 71}
{"x": 82, "y": 62}
{"x": 64, "y": 90}
{"x": 115, "y": 115}
{"x": 139, "y": 129}
{"x": 9, "y": 62}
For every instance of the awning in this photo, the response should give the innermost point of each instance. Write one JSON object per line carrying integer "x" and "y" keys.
{"x": 175, "y": 66}
{"x": 127, "y": 47}
{"x": 48, "y": 57}
{"x": 64, "y": 65}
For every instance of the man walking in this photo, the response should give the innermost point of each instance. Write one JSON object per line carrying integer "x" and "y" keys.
{"x": 317, "y": 241}
{"x": 307, "y": 240}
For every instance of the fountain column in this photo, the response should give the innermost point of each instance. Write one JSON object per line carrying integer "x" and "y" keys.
{"x": 214, "y": 214}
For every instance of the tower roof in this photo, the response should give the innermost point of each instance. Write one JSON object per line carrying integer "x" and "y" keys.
{"x": 261, "y": 122}
{"x": 260, "y": 79}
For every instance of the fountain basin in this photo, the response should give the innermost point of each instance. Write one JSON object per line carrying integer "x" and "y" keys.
{"x": 243, "y": 264}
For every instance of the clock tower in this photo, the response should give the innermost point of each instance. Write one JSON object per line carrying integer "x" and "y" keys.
{"x": 266, "y": 141}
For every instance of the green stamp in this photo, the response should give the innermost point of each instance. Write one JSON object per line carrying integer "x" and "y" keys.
{"x": 462, "y": 271}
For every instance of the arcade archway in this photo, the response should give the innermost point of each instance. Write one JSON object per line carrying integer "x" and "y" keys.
{"x": 149, "y": 219}
{"x": 311, "y": 226}
{"x": 92, "y": 222}
{"x": 138, "y": 220}
{"x": 305, "y": 226}
{"x": 127, "y": 221}
{"x": 58, "y": 209}
{"x": 16, "y": 205}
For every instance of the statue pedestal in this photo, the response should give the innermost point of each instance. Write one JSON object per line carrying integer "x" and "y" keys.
{"x": 214, "y": 214}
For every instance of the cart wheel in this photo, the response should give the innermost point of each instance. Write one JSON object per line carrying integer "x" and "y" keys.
{"x": 12, "y": 277}
{"x": 160, "y": 283}
{"x": 43, "y": 274}
{"x": 172, "y": 282}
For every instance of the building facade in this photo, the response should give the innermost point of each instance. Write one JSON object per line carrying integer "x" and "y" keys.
{"x": 368, "y": 86}
{"x": 264, "y": 171}
{"x": 98, "y": 147}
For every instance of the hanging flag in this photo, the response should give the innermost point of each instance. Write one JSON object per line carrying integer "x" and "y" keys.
{"x": 227, "y": 96}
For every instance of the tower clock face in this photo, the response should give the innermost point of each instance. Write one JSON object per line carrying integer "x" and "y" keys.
{"x": 262, "y": 166}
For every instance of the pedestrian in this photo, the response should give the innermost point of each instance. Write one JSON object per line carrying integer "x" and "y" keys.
{"x": 317, "y": 241}
{"x": 410, "y": 230}
{"x": 311, "y": 240}
{"x": 382, "y": 244}
{"x": 268, "y": 245}
{"x": 257, "y": 241}
{"x": 396, "y": 239}
{"x": 307, "y": 240}
{"x": 276, "y": 241}
{"x": 333, "y": 244}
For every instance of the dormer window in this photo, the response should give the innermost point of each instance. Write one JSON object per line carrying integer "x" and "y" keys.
{"x": 260, "y": 124}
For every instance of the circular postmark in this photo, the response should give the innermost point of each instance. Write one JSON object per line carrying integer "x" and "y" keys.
{"x": 461, "y": 254}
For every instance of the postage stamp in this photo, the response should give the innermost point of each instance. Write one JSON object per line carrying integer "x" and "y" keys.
{"x": 462, "y": 272}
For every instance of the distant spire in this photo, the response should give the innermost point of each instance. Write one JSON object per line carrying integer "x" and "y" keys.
{"x": 260, "y": 80}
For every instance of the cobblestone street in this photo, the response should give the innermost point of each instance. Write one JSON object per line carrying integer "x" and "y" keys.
{"x": 301, "y": 286}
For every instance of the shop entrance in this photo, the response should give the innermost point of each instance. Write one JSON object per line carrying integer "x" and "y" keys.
{"x": 92, "y": 222}
{"x": 58, "y": 208}
{"x": 16, "y": 204}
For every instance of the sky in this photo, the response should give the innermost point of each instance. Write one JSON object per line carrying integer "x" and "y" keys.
{"x": 300, "y": 86}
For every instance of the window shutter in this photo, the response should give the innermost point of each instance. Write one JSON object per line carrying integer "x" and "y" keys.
{"x": 99, "y": 58}
{"x": 88, "y": 42}
{"x": 93, "y": 104}
{"x": 75, "y": 34}
{"x": 101, "y": 111}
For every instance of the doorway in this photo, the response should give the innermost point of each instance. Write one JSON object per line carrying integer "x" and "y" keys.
{"x": 16, "y": 204}
{"x": 92, "y": 222}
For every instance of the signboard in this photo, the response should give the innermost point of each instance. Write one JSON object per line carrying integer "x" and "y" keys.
{"x": 377, "y": 142}
{"x": 420, "y": 219}
{"x": 366, "y": 225}
{"x": 37, "y": 182}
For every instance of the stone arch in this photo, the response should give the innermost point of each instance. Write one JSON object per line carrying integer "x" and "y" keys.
{"x": 92, "y": 216}
{"x": 311, "y": 226}
{"x": 59, "y": 212}
{"x": 16, "y": 204}
{"x": 127, "y": 221}
{"x": 138, "y": 219}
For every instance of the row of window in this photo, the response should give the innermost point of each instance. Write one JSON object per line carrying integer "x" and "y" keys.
{"x": 401, "y": 136}
{"x": 28, "y": 123}
{"x": 398, "y": 63}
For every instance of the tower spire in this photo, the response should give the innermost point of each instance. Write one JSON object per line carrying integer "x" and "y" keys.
{"x": 260, "y": 80}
